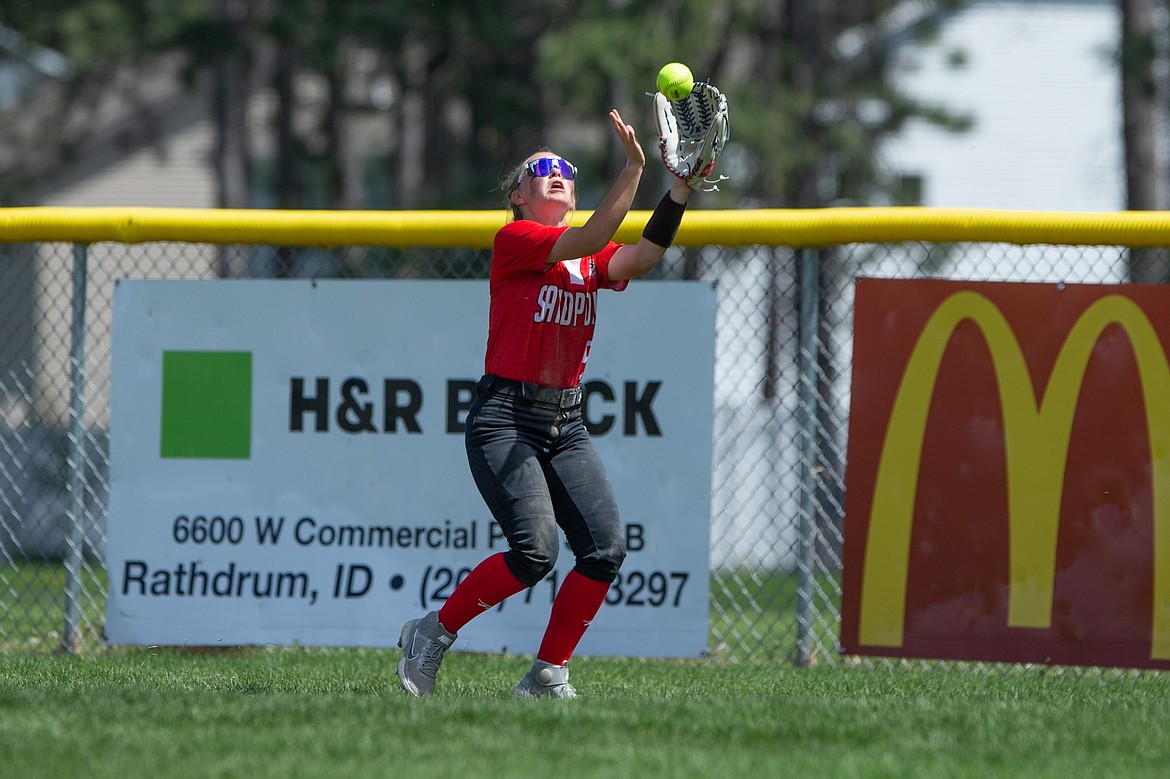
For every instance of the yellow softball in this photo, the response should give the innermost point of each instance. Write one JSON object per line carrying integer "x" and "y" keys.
{"x": 675, "y": 81}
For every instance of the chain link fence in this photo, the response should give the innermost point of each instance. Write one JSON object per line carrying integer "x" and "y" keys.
{"x": 783, "y": 355}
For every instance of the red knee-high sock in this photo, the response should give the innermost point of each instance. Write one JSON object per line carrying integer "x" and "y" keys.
{"x": 573, "y": 610}
{"x": 488, "y": 584}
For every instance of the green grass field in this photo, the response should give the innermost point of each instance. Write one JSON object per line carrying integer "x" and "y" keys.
{"x": 315, "y": 713}
{"x": 294, "y": 713}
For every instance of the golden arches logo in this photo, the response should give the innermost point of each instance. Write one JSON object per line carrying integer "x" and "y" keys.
{"x": 1037, "y": 434}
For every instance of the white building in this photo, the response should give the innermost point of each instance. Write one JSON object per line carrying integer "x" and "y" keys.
{"x": 1040, "y": 80}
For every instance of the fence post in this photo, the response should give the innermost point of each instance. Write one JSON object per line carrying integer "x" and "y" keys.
{"x": 71, "y": 637}
{"x": 808, "y": 359}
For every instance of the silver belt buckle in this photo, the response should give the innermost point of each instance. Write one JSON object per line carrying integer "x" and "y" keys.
{"x": 570, "y": 397}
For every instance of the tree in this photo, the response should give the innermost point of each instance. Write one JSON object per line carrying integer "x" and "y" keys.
{"x": 233, "y": 77}
{"x": 1143, "y": 113}
{"x": 808, "y": 110}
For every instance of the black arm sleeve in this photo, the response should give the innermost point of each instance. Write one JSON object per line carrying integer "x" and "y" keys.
{"x": 663, "y": 224}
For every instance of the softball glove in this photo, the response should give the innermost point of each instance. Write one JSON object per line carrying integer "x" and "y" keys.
{"x": 692, "y": 133}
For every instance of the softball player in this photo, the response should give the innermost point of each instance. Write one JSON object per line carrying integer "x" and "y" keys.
{"x": 530, "y": 454}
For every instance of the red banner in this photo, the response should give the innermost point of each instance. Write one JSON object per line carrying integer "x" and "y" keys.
{"x": 1008, "y": 488}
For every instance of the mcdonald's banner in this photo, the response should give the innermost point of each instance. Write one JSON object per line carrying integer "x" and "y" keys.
{"x": 1008, "y": 490}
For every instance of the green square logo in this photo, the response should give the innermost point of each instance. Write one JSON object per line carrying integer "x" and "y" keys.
{"x": 207, "y": 405}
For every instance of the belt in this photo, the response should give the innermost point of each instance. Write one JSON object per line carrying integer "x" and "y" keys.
{"x": 562, "y": 398}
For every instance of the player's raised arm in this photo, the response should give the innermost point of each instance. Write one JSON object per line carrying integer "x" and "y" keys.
{"x": 599, "y": 230}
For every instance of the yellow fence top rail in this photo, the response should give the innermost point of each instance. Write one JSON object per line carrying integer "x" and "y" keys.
{"x": 748, "y": 227}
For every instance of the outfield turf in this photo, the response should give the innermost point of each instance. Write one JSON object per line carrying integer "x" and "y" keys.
{"x": 292, "y": 713}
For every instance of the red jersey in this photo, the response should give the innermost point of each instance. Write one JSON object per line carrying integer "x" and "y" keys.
{"x": 541, "y": 318}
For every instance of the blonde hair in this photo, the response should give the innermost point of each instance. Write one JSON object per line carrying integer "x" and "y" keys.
{"x": 509, "y": 184}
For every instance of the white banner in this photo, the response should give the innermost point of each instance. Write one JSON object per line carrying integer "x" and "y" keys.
{"x": 287, "y": 464}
